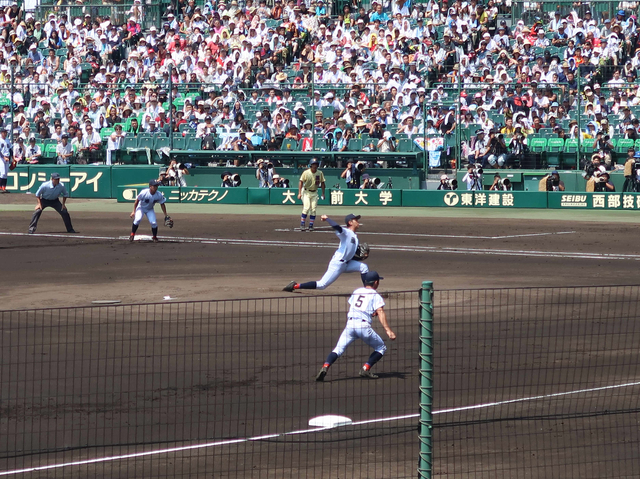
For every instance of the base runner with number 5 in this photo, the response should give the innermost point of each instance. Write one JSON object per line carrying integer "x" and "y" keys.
{"x": 365, "y": 303}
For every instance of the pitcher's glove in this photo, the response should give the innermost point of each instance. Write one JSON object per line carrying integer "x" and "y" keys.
{"x": 168, "y": 221}
{"x": 362, "y": 253}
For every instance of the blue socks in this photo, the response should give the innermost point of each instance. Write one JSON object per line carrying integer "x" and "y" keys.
{"x": 330, "y": 359}
{"x": 374, "y": 358}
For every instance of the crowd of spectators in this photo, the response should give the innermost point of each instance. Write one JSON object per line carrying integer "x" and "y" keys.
{"x": 239, "y": 75}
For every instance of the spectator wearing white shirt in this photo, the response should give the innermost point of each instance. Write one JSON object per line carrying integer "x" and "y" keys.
{"x": 114, "y": 143}
{"x": 33, "y": 153}
{"x": 64, "y": 151}
{"x": 19, "y": 151}
{"x": 90, "y": 145}
{"x": 541, "y": 40}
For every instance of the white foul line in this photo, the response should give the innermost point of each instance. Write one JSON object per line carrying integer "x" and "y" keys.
{"x": 305, "y": 431}
{"x": 333, "y": 245}
{"x": 417, "y": 235}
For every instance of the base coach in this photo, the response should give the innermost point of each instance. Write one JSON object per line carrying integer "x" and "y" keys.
{"x": 47, "y": 196}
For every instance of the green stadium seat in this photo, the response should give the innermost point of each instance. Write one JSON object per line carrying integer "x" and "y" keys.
{"x": 555, "y": 146}
{"x": 327, "y": 111}
{"x": 289, "y": 145}
{"x": 105, "y": 133}
{"x": 161, "y": 141}
{"x": 405, "y": 145}
{"x": 49, "y": 151}
{"x": 571, "y": 146}
{"x": 355, "y": 144}
{"x": 145, "y": 142}
{"x": 129, "y": 141}
{"x": 570, "y": 156}
{"x": 537, "y": 145}
{"x": 179, "y": 142}
{"x": 193, "y": 143}
{"x": 623, "y": 145}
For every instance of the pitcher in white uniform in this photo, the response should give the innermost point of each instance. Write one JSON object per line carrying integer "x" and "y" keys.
{"x": 364, "y": 304}
{"x": 144, "y": 204}
{"x": 342, "y": 261}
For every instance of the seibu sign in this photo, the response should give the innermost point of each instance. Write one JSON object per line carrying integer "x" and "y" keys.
{"x": 595, "y": 201}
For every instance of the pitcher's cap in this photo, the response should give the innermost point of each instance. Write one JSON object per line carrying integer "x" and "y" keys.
{"x": 350, "y": 217}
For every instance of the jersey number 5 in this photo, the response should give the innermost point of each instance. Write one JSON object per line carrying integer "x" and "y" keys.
{"x": 359, "y": 301}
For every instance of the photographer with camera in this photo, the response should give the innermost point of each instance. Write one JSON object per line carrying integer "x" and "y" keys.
{"x": 473, "y": 178}
{"x": 592, "y": 169}
{"x": 447, "y": 184}
{"x": 518, "y": 149}
{"x": 497, "y": 155}
{"x": 175, "y": 173}
{"x": 369, "y": 183}
{"x": 604, "y": 146}
{"x": 387, "y": 143}
{"x": 551, "y": 182}
{"x": 279, "y": 182}
{"x": 632, "y": 171}
{"x": 602, "y": 183}
{"x": 377, "y": 130}
{"x": 264, "y": 173}
{"x": 352, "y": 174}
{"x": 230, "y": 180}
{"x": 500, "y": 184}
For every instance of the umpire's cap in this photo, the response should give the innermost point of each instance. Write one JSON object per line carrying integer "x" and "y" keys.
{"x": 350, "y": 217}
{"x": 154, "y": 183}
{"x": 55, "y": 176}
{"x": 371, "y": 277}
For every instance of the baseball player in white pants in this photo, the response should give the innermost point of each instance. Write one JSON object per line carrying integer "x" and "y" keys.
{"x": 364, "y": 304}
{"x": 310, "y": 182}
{"x": 342, "y": 261}
{"x": 144, "y": 204}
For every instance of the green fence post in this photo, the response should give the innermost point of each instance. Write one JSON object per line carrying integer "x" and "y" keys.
{"x": 425, "y": 465}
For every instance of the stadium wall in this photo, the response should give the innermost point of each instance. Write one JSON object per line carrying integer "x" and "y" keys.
{"x": 409, "y": 198}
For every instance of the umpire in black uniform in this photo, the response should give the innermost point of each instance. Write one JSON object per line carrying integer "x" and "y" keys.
{"x": 47, "y": 196}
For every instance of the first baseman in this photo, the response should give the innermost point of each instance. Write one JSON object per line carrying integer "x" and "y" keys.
{"x": 342, "y": 260}
{"x": 144, "y": 204}
{"x": 364, "y": 303}
{"x": 310, "y": 181}
{"x": 47, "y": 196}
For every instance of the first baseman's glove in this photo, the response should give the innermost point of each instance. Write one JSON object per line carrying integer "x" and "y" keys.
{"x": 168, "y": 221}
{"x": 362, "y": 253}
